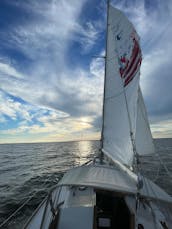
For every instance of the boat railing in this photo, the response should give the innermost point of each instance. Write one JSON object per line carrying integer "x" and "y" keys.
{"x": 8, "y": 219}
{"x": 54, "y": 209}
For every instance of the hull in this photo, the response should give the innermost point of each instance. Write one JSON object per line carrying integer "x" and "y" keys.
{"x": 105, "y": 199}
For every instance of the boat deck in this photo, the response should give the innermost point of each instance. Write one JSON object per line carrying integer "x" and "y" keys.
{"x": 78, "y": 205}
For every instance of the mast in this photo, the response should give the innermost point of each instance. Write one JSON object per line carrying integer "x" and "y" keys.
{"x": 103, "y": 109}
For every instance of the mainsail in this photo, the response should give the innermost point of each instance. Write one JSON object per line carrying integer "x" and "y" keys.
{"x": 123, "y": 103}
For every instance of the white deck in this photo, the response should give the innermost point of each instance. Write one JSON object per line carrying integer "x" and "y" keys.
{"x": 75, "y": 200}
{"x": 103, "y": 177}
{"x": 111, "y": 178}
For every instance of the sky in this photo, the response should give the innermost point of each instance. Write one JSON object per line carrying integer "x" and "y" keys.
{"x": 51, "y": 83}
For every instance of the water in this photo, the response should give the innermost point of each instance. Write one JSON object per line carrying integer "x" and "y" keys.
{"x": 29, "y": 168}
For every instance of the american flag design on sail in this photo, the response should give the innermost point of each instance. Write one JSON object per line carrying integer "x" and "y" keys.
{"x": 131, "y": 65}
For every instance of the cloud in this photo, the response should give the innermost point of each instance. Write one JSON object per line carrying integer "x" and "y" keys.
{"x": 75, "y": 97}
{"x": 7, "y": 69}
{"x": 48, "y": 82}
{"x": 156, "y": 85}
{"x": 2, "y": 119}
{"x": 55, "y": 94}
{"x": 53, "y": 26}
{"x": 40, "y": 124}
{"x": 89, "y": 34}
{"x": 24, "y": 113}
{"x": 53, "y": 128}
{"x": 162, "y": 129}
{"x": 13, "y": 109}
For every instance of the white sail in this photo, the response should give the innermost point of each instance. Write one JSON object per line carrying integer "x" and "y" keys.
{"x": 143, "y": 138}
{"x": 123, "y": 59}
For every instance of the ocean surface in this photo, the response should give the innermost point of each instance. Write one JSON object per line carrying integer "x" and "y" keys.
{"x": 30, "y": 170}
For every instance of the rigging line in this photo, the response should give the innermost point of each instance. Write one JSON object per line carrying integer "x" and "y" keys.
{"x": 154, "y": 216}
{"x": 156, "y": 177}
{"x": 146, "y": 187}
{"x": 158, "y": 202}
{"x": 149, "y": 201}
{"x": 157, "y": 174}
{"x": 135, "y": 162}
{"x": 53, "y": 208}
{"x": 18, "y": 209}
{"x": 141, "y": 109}
{"x": 136, "y": 159}
{"x": 157, "y": 199}
{"x": 153, "y": 191}
{"x": 114, "y": 96}
{"x": 163, "y": 164}
{"x": 45, "y": 210}
{"x": 144, "y": 112}
{"x": 138, "y": 201}
{"x": 15, "y": 212}
{"x": 56, "y": 198}
{"x": 103, "y": 113}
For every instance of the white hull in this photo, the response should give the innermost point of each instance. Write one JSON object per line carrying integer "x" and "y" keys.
{"x": 111, "y": 201}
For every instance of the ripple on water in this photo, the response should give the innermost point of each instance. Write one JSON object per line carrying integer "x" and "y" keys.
{"x": 30, "y": 168}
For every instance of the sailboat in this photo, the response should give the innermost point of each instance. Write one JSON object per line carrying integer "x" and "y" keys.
{"x": 110, "y": 191}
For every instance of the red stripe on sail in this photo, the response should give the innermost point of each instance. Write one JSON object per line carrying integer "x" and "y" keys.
{"x": 130, "y": 69}
{"x": 133, "y": 66}
{"x": 135, "y": 52}
{"x": 122, "y": 70}
{"x": 133, "y": 73}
